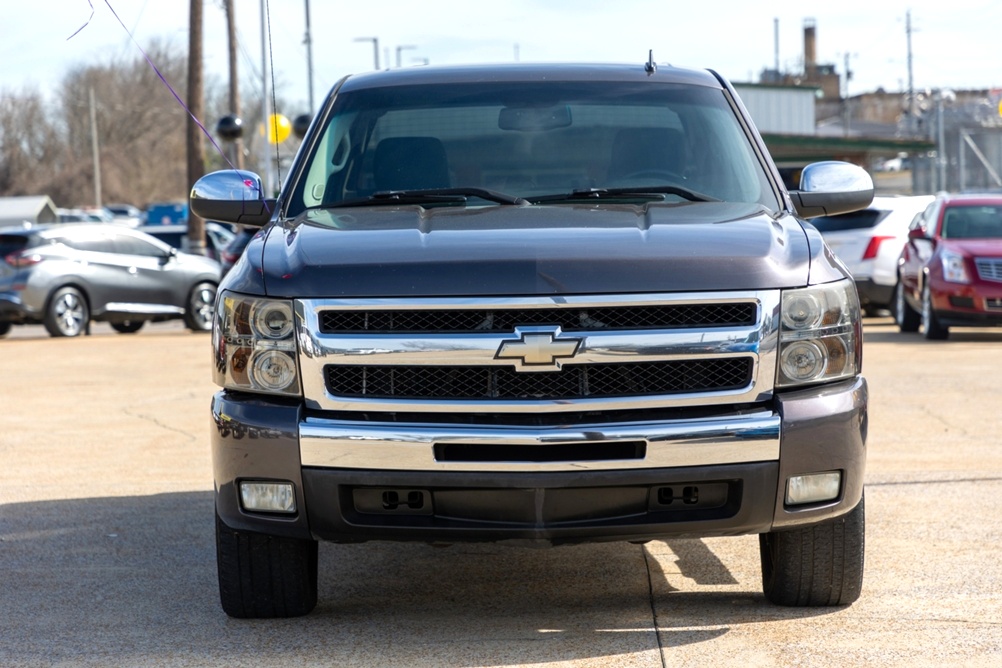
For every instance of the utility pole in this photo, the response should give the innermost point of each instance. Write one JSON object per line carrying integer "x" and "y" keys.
{"x": 269, "y": 185}
{"x": 912, "y": 120}
{"x": 237, "y": 145}
{"x": 309, "y": 56}
{"x": 196, "y": 107}
{"x": 95, "y": 148}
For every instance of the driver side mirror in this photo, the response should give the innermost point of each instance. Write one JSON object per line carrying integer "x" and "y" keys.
{"x": 830, "y": 188}
{"x": 916, "y": 233}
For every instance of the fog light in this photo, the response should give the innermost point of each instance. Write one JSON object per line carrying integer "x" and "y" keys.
{"x": 813, "y": 488}
{"x": 268, "y": 497}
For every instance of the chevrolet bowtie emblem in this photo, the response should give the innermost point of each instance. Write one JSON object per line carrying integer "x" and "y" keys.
{"x": 538, "y": 349}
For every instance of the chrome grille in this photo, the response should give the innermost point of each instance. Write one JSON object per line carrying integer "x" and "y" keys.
{"x": 569, "y": 319}
{"x": 444, "y": 354}
{"x": 573, "y": 381}
{"x": 989, "y": 269}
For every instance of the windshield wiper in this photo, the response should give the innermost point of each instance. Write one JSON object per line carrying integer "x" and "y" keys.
{"x": 432, "y": 196}
{"x": 635, "y": 192}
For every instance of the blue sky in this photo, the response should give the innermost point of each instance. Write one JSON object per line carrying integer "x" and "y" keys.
{"x": 954, "y": 44}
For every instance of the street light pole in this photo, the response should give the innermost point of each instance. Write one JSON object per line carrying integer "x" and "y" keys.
{"x": 375, "y": 48}
{"x": 401, "y": 48}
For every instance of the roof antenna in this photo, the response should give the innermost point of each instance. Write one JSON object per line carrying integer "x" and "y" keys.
{"x": 650, "y": 67}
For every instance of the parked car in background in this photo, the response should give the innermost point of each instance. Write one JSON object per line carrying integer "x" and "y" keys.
{"x": 235, "y": 248}
{"x": 950, "y": 270}
{"x": 217, "y": 237}
{"x": 65, "y": 276}
{"x": 869, "y": 243}
{"x": 100, "y": 215}
{"x": 127, "y": 214}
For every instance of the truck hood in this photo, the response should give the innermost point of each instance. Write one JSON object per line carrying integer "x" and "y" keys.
{"x": 530, "y": 250}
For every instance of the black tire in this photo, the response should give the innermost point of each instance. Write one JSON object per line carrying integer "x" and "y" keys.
{"x": 4, "y": 328}
{"x": 931, "y": 328}
{"x": 200, "y": 307}
{"x": 820, "y": 565}
{"x": 908, "y": 319}
{"x": 263, "y": 576}
{"x": 67, "y": 313}
{"x": 128, "y": 326}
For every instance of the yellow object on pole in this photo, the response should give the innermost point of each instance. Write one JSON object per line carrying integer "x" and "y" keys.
{"x": 279, "y": 128}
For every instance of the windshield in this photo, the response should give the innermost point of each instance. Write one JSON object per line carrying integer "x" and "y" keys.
{"x": 516, "y": 143}
{"x": 979, "y": 221}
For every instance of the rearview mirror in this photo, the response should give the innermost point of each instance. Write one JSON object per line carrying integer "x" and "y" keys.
{"x": 528, "y": 119}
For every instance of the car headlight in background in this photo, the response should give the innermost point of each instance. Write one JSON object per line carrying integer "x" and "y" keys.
{"x": 254, "y": 345}
{"x": 954, "y": 269}
{"x": 820, "y": 334}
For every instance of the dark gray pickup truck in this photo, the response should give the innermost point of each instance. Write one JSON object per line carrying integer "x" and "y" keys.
{"x": 536, "y": 304}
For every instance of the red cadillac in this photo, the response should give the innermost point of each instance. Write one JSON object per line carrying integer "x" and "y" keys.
{"x": 950, "y": 271}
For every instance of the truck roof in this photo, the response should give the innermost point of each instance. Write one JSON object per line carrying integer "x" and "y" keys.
{"x": 528, "y": 72}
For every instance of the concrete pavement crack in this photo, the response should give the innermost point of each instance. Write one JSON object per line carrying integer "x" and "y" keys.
{"x": 654, "y": 611}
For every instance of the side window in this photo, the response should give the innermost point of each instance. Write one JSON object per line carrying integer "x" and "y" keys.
{"x": 127, "y": 245}
{"x": 92, "y": 243}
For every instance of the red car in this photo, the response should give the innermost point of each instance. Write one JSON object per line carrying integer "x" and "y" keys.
{"x": 950, "y": 271}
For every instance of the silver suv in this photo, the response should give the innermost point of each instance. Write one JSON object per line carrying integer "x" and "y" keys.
{"x": 65, "y": 276}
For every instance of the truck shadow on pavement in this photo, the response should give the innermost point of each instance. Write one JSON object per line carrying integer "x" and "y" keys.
{"x": 131, "y": 581}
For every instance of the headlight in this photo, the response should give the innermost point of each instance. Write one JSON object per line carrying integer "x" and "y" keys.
{"x": 820, "y": 335}
{"x": 954, "y": 269}
{"x": 254, "y": 346}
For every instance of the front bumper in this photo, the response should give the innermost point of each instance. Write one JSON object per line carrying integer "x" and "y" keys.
{"x": 977, "y": 304}
{"x": 663, "y": 478}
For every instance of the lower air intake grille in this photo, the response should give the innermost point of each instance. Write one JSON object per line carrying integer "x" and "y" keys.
{"x": 574, "y": 381}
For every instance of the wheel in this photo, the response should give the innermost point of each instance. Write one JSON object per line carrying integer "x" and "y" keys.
{"x": 67, "y": 313}
{"x": 820, "y": 565}
{"x": 128, "y": 326}
{"x": 200, "y": 307}
{"x": 930, "y": 324}
{"x": 906, "y": 317}
{"x": 265, "y": 576}
{"x": 4, "y": 328}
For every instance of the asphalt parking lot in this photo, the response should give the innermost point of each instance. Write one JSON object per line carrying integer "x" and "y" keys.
{"x": 107, "y": 552}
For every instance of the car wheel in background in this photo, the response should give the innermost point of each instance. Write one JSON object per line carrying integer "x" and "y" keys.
{"x": 4, "y": 328}
{"x": 930, "y": 324}
{"x": 264, "y": 576}
{"x": 128, "y": 326}
{"x": 67, "y": 313}
{"x": 816, "y": 565}
{"x": 199, "y": 309}
{"x": 908, "y": 319}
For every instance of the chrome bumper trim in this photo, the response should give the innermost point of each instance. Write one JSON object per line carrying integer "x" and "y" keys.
{"x": 410, "y": 447}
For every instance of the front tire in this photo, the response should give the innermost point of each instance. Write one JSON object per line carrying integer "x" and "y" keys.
{"x": 4, "y": 328}
{"x": 67, "y": 313}
{"x": 908, "y": 319}
{"x": 820, "y": 565}
{"x": 200, "y": 307}
{"x": 930, "y": 323}
{"x": 263, "y": 576}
